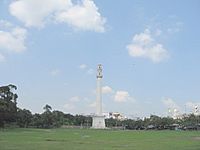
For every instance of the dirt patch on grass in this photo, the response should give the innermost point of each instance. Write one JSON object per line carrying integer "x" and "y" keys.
{"x": 197, "y": 138}
{"x": 54, "y": 140}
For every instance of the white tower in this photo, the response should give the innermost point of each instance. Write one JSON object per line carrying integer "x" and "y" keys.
{"x": 98, "y": 120}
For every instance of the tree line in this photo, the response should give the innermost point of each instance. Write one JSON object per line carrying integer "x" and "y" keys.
{"x": 11, "y": 115}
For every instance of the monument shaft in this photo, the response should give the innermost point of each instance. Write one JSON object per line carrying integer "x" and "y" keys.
{"x": 98, "y": 120}
{"x": 99, "y": 97}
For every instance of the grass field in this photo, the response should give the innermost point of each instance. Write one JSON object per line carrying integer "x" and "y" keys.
{"x": 85, "y": 139}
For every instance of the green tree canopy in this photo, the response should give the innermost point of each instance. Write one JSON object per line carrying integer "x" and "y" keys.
{"x": 8, "y": 104}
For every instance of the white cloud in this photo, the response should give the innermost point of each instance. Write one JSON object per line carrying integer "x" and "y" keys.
{"x": 93, "y": 104}
{"x": 35, "y": 13}
{"x": 83, "y": 16}
{"x": 143, "y": 38}
{"x": 13, "y": 39}
{"x": 71, "y": 103}
{"x": 5, "y": 24}
{"x": 86, "y": 68}
{"x": 74, "y": 99}
{"x": 121, "y": 96}
{"x": 69, "y": 106}
{"x": 170, "y": 103}
{"x": 175, "y": 27}
{"x": 145, "y": 46}
{"x": 158, "y": 32}
{"x": 118, "y": 96}
{"x": 107, "y": 90}
{"x": 83, "y": 66}
{"x": 77, "y": 104}
{"x": 90, "y": 71}
{"x": 2, "y": 58}
{"x": 55, "y": 72}
{"x": 192, "y": 105}
{"x": 173, "y": 109}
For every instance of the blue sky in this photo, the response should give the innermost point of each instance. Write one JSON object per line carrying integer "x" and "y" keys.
{"x": 149, "y": 51}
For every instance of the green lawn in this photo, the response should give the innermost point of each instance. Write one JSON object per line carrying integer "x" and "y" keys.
{"x": 86, "y": 139}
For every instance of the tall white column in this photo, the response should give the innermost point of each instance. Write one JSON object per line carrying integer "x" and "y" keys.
{"x": 98, "y": 120}
{"x": 99, "y": 89}
{"x": 99, "y": 97}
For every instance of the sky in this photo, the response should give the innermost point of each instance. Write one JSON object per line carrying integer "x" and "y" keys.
{"x": 149, "y": 51}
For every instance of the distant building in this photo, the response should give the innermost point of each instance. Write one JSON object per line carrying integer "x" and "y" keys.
{"x": 115, "y": 115}
{"x": 196, "y": 110}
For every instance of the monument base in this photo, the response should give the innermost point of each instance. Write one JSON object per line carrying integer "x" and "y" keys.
{"x": 98, "y": 122}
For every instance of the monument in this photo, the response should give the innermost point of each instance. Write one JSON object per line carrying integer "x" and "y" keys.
{"x": 98, "y": 120}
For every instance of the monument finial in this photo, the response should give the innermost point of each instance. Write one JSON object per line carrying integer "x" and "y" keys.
{"x": 99, "y": 71}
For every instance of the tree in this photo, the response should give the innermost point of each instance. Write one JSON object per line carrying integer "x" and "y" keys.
{"x": 68, "y": 119}
{"x": 36, "y": 121}
{"x": 47, "y": 108}
{"x": 8, "y": 104}
{"x": 47, "y": 117}
{"x": 129, "y": 124}
{"x": 191, "y": 121}
{"x": 79, "y": 120}
{"x": 58, "y": 118}
{"x": 23, "y": 118}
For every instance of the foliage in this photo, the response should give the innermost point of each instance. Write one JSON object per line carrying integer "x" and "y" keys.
{"x": 36, "y": 121}
{"x": 55, "y": 119}
{"x": 58, "y": 118}
{"x": 8, "y": 104}
{"x": 47, "y": 108}
{"x": 23, "y": 118}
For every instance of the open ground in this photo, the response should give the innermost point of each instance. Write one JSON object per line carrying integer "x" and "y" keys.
{"x": 88, "y": 139}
